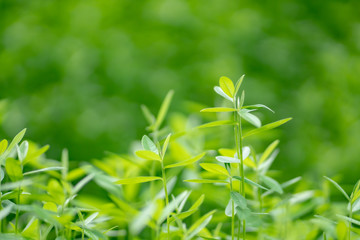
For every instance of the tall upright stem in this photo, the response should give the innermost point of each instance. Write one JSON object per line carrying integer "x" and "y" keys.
{"x": 232, "y": 213}
{"x": 350, "y": 215}
{"x": 239, "y": 147}
{"x": 166, "y": 197}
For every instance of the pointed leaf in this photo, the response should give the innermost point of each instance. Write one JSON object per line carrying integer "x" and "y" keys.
{"x": 43, "y": 170}
{"x": 227, "y": 86}
{"x": 166, "y": 144}
{"x": 238, "y": 199}
{"x": 148, "y": 155}
{"x": 223, "y": 159}
{"x": 163, "y": 109}
{"x": 219, "y": 91}
{"x": 149, "y": 145}
{"x": 3, "y": 146}
{"x": 272, "y": 184}
{"x": 22, "y": 150}
{"x": 13, "y": 144}
{"x": 218, "y": 109}
{"x": 205, "y": 181}
{"x": 266, "y": 127}
{"x": 238, "y": 84}
{"x": 148, "y": 115}
{"x": 268, "y": 151}
{"x": 136, "y": 180}
{"x": 200, "y": 224}
{"x": 255, "y": 106}
{"x": 250, "y": 182}
{"x": 338, "y": 187}
{"x": 217, "y": 123}
{"x": 187, "y": 162}
{"x": 214, "y": 168}
{"x": 13, "y": 169}
{"x": 250, "y": 118}
{"x": 82, "y": 183}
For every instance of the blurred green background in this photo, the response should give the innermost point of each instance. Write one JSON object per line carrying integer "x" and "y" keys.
{"x": 75, "y": 72}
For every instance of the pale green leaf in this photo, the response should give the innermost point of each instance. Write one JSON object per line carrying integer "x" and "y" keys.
{"x": 43, "y": 170}
{"x": 238, "y": 199}
{"x": 149, "y": 145}
{"x": 163, "y": 109}
{"x": 205, "y": 181}
{"x": 250, "y": 118}
{"x": 217, "y": 123}
{"x": 238, "y": 84}
{"x": 148, "y": 115}
{"x": 13, "y": 144}
{"x": 227, "y": 86}
{"x": 22, "y": 150}
{"x": 198, "y": 202}
{"x": 272, "y": 184}
{"x": 354, "y": 221}
{"x": 166, "y": 144}
{"x": 338, "y": 187}
{"x": 250, "y": 182}
{"x": 82, "y": 183}
{"x": 14, "y": 169}
{"x": 223, "y": 159}
{"x": 268, "y": 151}
{"x": 219, "y": 91}
{"x": 136, "y": 180}
{"x": 266, "y": 127}
{"x": 256, "y": 106}
{"x": 187, "y": 162}
{"x": 3, "y": 146}
{"x": 147, "y": 155}
{"x": 215, "y": 168}
{"x": 200, "y": 224}
{"x": 218, "y": 109}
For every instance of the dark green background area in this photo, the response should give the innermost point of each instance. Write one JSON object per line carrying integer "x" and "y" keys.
{"x": 75, "y": 72}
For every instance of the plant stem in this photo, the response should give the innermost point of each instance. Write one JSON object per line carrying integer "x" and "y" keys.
{"x": 239, "y": 147}
{"x": 232, "y": 213}
{"x": 17, "y": 212}
{"x": 166, "y": 196}
{"x": 350, "y": 215}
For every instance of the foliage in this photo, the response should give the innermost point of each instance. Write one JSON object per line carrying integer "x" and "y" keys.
{"x": 180, "y": 182}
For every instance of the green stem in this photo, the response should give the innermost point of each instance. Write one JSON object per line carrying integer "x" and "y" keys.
{"x": 239, "y": 147}
{"x": 350, "y": 215}
{"x": 166, "y": 196}
{"x": 232, "y": 213}
{"x": 17, "y": 212}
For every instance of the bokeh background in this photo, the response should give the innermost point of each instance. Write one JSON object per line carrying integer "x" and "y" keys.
{"x": 75, "y": 72}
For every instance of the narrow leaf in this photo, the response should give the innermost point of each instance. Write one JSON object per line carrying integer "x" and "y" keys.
{"x": 266, "y": 127}
{"x": 227, "y": 159}
{"x": 238, "y": 84}
{"x": 22, "y": 150}
{"x": 163, "y": 109}
{"x": 205, "y": 181}
{"x": 3, "y": 146}
{"x": 268, "y": 151}
{"x": 187, "y": 162}
{"x": 166, "y": 144}
{"x": 43, "y": 170}
{"x": 272, "y": 184}
{"x": 136, "y": 180}
{"x": 82, "y": 183}
{"x": 250, "y": 118}
{"x": 218, "y": 109}
{"x": 256, "y": 106}
{"x": 250, "y": 182}
{"x": 148, "y": 155}
{"x": 217, "y": 123}
{"x": 200, "y": 224}
{"x": 338, "y": 187}
{"x": 214, "y": 168}
{"x": 219, "y": 91}
{"x": 148, "y": 115}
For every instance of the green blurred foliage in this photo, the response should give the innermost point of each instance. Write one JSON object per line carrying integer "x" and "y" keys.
{"x": 75, "y": 72}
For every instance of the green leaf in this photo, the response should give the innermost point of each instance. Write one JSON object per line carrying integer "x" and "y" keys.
{"x": 182, "y": 215}
{"x": 198, "y": 202}
{"x": 219, "y": 91}
{"x": 64, "y": 163}
{"x": 238, "y": 84}
{"x": 166, "y": 144}
{"x": 43, "y": 170}
{"x": 354, "y": 221}
{"x": 218, "y": 109}
{"x": 187, "y": 162}
{"x": 217, "y": 123}
{"x": 3, "y": 146}
{"x": 22, "y": 150}
{"x": 13, "y": 169}
{"x": 227, "y": 159}
{"x": 163, "y": 109}
{"x": 272, "y": 184}
{"x": 227, "y": 86}
{"x": 338, "y": 187}
{"x": 199, "y": 224}
{"x": 136, "y": 180}
{"x": 266, "y": 127}
{"x": 149, "y": 145}
{"x": 206, "y": 181}
{"x": 148, "y": 115}
{"x": 215, "y": 168}
{"x": 249, "y": 117}
{"x": 238, "y": 199}
{"x": 5, "y": 211}
{"x": 250, "y": 182}
{"x": 13, "y": 144}
{"x": 82, "y": 183}
{"x": 148, "y": 155}
{"x": 32, "y": 229}
{"x": 256, "y": 106}
{"x": 268, "y": 151}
